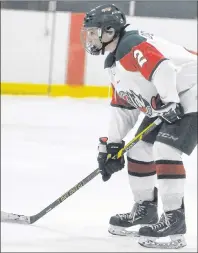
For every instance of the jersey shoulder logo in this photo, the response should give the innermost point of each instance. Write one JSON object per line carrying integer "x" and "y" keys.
{"x": 146, "y": 35}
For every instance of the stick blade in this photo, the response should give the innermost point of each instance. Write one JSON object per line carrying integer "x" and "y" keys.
{"x": 14, "y": 218}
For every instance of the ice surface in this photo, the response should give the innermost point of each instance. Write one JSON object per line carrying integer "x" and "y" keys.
{"x": 47, "y": 146}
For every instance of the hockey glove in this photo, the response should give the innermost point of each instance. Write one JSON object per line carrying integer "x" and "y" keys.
{"x": 170, "y": 112}
{"x": 109, "y": 166}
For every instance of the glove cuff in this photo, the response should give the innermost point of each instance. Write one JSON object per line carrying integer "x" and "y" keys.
{"x": 102, "y": 147}
{"x": 103, "y": 140}
{"x": 113, "y": 148}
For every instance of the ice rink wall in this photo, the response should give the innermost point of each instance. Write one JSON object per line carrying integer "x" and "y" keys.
{"x": 41, "y": 51}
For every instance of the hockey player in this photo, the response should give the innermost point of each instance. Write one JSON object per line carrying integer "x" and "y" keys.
{"x": 159, "y": 78}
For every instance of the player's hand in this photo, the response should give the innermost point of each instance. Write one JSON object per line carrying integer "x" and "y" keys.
{"x": 170, "y": 112}
{"x": 109, "y": 166}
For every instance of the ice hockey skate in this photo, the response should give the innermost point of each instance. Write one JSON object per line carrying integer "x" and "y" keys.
{"x": 168, "y": 233}
{"x": 128, "y": 224}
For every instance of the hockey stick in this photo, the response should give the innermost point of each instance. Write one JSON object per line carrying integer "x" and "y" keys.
{"x": 22, "y": 219}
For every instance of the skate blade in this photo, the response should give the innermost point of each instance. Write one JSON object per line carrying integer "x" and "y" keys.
{"x": 122, "y": 231}
{"x": 174, "y": 242}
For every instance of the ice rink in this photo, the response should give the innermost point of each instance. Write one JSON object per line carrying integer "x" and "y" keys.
{"x": 47, "y": 146}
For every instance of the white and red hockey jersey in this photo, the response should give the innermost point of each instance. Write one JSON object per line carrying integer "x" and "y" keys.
{"x": 142, "y": 67}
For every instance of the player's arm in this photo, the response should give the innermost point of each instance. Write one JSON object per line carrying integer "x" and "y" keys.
{"x": 152, "y": 64}
{"x": 164, "y": 79}
{"x": 155, "y": 67}
{"x": 123, "y": 118}
{"x": 121, "y": 122}
{"x": 162, "y": 73}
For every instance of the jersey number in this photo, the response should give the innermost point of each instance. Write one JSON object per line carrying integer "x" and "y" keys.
{"x": 140, "y": 57}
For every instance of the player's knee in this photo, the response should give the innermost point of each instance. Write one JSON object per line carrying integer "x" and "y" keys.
{"x": 168, "y": 162}
{"x": 140, "y": 160}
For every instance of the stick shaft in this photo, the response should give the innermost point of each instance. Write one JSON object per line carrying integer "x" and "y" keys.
{"x": 65, "y": 196}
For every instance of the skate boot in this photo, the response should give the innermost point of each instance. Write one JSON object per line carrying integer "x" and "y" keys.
{"x": 141, "y": 214}
{"x": 168, "y": 233}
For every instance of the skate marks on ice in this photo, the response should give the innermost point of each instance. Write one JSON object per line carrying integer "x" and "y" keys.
{"x": 70, "y": 238}
{"x": 62, "y": 238}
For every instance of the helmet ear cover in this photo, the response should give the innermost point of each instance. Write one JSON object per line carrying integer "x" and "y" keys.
{"x": 109, "y": 29}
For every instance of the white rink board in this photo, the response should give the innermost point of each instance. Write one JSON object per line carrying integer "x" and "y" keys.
{"x": 25, "y": 48}
{"x": 50, "y": 144}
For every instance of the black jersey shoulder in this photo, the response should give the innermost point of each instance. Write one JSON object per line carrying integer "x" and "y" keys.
{"x": 127, "y": 42}
{"x": 110, "y": 60}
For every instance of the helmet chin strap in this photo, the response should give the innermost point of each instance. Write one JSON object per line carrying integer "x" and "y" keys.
{"x": 104, "y": 44}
